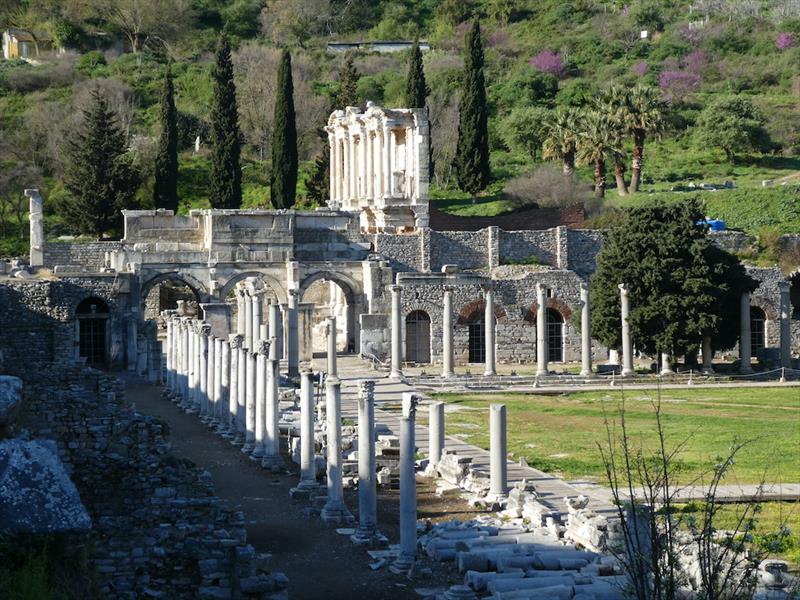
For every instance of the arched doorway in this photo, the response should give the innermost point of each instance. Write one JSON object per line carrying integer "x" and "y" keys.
{"x": 163, "y": 292}
{"x": 418, "y": 337}
{"x": 92, "y": 331}
{"x": 477, "y": 341}
{"x": 331, "y": 297}
{"x": 758, "y": 330}
{"x": 794, "y": 295}
{"x": 555, "y": 336}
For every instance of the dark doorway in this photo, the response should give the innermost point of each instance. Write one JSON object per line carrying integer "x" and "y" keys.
{"x": 92, "y": 316}
{"x": 555, "y": 336}
{"x": 758, "y": 330}
{"x": 477, "y": 341}
{"x": 418, "y": 337}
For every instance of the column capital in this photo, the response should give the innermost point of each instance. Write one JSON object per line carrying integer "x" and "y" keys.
{"x": 623, "y": 288}
{"x": 488, "y": 288}
{"x": 366, "y": 388}
{"x": 784, "y": 287}
{"x": 293, "y": 293}
{"x": 541, "y": 288}
{"x": 236, "y": 341}
{"x": 448, "y": 288}
{"x": 396, "y": 287}
{"x": 584, "y": 286}
{"x": 263, "y": 347}
{"x": 204, "y": 329}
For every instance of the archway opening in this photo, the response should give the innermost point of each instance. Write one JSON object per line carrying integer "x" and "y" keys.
{"x": 555, "y": 336}
{"x": 476, "y": 343}
{"x": 165, "y": 295}
{"x": 92, "y": 331}
{"x": 330, "y": 298}
{"x": 758, "y": 330}
{"x": 418, "y": 337}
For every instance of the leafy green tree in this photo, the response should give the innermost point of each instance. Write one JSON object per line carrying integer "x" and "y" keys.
{"x": 416, "y": 88}
{"x": 165, "y": 190}
{"x": 598, "y": 141}
{"x": 99, "y": 177}
{"x": 348, "y": 85}
{"x": 524, "y": 129}
{"x": 682, "y": 287}
{"x": 472, "y": 152}
{"x": 226, "y": 174}
{"x": 645, "y": 114}
{"x": 734, "y": 125}
{"x": 283, "y": 183}
{"x": 561, "y": 138}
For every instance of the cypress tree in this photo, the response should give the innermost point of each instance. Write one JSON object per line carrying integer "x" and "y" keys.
{"x": 416, "y": 88}
{"x": 348, "y": 85}
{"x": 472, "y": 152}
{"x": 99, "y": 177}
{"x": 165, "y": 191}
{"x": 226, "y": 174}
{"x": 283, "y": 182}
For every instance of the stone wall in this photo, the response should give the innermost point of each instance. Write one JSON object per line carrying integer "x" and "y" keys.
{"x": 88, "y": 254}
{"x": 583, "y": 247}
{"x": 158, "y": 530}
{"x": 467, "y": 249}
{"x": 522, "y": 246}
{"x": 733, "y": 241}
{"x": 403, "y": 251}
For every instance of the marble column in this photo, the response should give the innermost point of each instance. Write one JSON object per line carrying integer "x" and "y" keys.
{"x": 367, "y": 532}
{"x": 168, "y": 348}
{"x": 208, "y": 397}
{"x": 332, "y": 345}
{"x": 132, "y": 345}
{"x": 250, "y": 403}
{"x": 275, "y": 326}
{"x": 332, "y": 179}
{"x": 745, "y": 349}
{"x": 448, "y": 357}
{"x": 272, "y": 449}
{"x": 185, "y": 361}
{"x": 666, "y": 364}
{"x": 258, "y": 316}
{"x": 249, "y": 334}
{"x": 293, "y": 337}
{"x": 708, "y": 355}
{"x": 235, "y": 341}
{"x": 435, "y": 433}
{"x": 489, "y": 333}
{"x": 202, "y": 369}
{"x": 241, "y": 311}
{"x": 541, "y": 330}
{"x": 498, "y": 453}
{"x": 362, "y": 163}
{"x": 261, "y": 350}
{"x": 627, "y": 345}
{"x": 397, "y": 333}
{"x": 586, "y": 333}
{"x": 386, "y": 163}
{"x": 223, "y": 415}
{"x": 308, "y": 465}
{"x": 408, "y": 494}
{"x": 334, "y": 510}
{"x": 241, "y": 396}
{"x": 217, "y": 394}
{"x": 786, "y": 324}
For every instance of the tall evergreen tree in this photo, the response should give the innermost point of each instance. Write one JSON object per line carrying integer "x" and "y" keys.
{"x": 283, "y": 182}
{"x": 417, "y": 89}
{"x": 348, "y": 85}
{"x": 165, "y": 191}
{"x": 99, "y": 177}
{"x": 681, "y": 286}
{"x": 472, "y": 152}
{"x": 226, "y": 173}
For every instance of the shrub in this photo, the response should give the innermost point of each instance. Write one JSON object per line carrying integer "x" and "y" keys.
{"x": 784, "y": 41}
{"x": 545, "y": 187}
{"x": 677, "y": 85}
{"x": 89, "y": 62}
{"x": 548, "y": 61}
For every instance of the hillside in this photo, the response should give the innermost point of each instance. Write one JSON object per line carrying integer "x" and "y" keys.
{"x": 540, "y": 55}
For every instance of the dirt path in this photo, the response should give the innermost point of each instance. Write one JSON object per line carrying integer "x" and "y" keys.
{"x": 319, "y": 562}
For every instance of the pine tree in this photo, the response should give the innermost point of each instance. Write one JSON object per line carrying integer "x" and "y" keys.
{"x": 226, "y": 174}
{"x": 99, "y": 177}
{"x": 416, "y": 88}
{"x": 165, "y": 191}
{"x": 472, "y": 152}
{"x": 284, "y": 139}
{"x": 348, "y": 85}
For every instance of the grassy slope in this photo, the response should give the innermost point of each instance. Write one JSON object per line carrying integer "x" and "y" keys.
{"x": 711, "y": 419}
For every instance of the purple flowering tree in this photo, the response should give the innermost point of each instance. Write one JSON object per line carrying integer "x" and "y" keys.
{"x": 676, "y": 85}
{"x": 639, "y": 68}
{"x": 548, "y": 61}
{"x": 784, "y": 41}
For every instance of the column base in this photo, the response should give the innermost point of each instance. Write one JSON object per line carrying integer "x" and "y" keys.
{"x": 587, "y": 374}
{"x": 489, "y": 373}
{"x": 273, "y": 463}
{"x": 396, "y": 375}
{"x": 238, "y": 439}
{"x": 248, "y": 447}
{"x": 446, "y": 375}
{"x": 258, "y": 452}
{"x": 403, "y": 564}
{"x": 304, "y": 491}
{"x": 336, "y": 513}
{"x": 627, "y": 372}
{"x": 369, "y": 537}
{"x": 667, "y": 372}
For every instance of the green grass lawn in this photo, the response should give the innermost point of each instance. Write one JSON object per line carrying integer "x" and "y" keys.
{"x": 559, "y": 433}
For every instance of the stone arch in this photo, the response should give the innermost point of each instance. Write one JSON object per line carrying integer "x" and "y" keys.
{"x": 557, "y": 304}
{"x": 352, "y": 298}
{"x": 767, "y": 307}
{"x": 269, "y": 280}
{"x": 348, "y": 285}
{"x": 199, "y": 289}
{"x": 469, "y": 310}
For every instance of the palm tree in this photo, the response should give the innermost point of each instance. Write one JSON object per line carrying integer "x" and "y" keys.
{"x": 646, "y": 116}
{"x": 598, "y": 141}
{"x": 561, "y": 139}
{"x": 614, "y": 102}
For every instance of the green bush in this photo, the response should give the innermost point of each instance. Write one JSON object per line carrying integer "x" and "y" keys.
{"x": 92, "y": 64}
